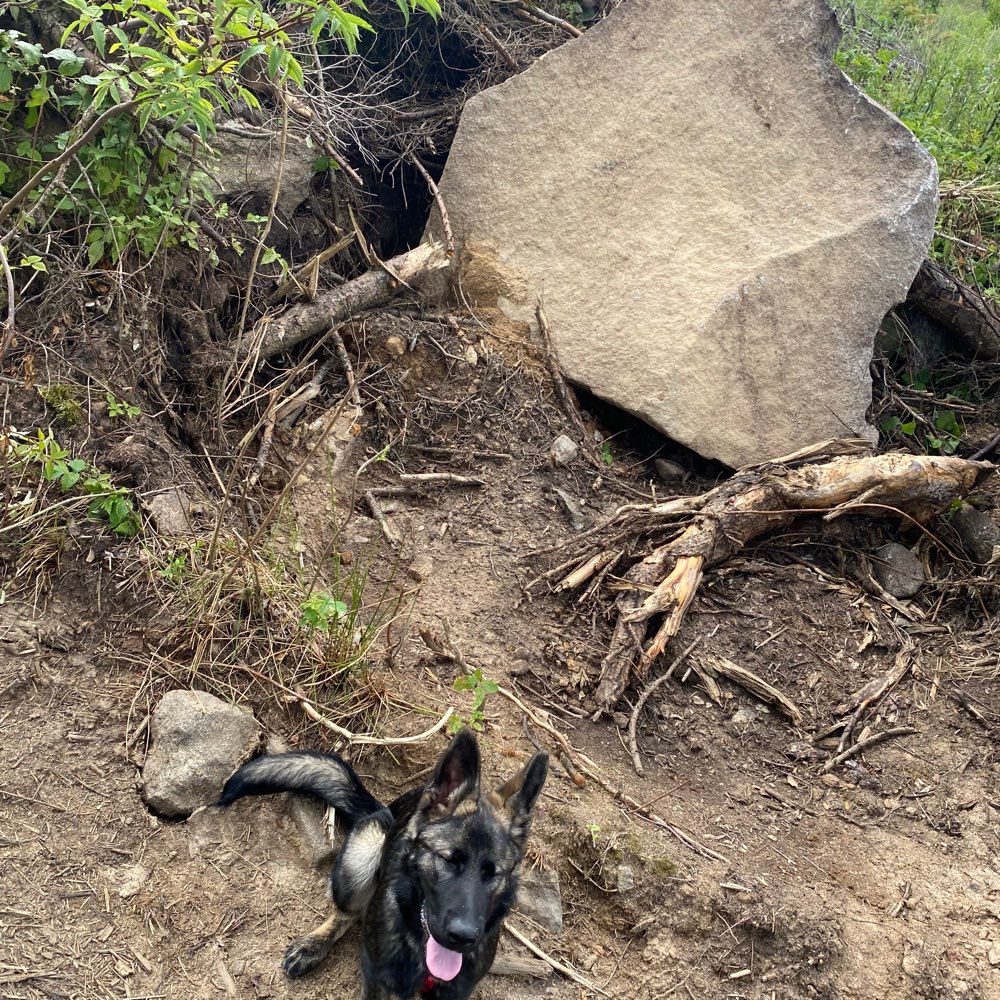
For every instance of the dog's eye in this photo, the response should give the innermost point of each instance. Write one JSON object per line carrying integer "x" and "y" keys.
{"x": 455, "y": 858}
{"x": 488, "y": 870}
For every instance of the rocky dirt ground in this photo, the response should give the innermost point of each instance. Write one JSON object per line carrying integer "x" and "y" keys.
{"x": 879, "y": 879}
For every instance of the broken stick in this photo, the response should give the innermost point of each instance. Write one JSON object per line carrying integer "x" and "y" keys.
{"x": 376, "y": 287}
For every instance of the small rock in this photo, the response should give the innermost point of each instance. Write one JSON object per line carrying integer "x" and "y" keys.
{"x": 625, "y": 879}
{"x": 539, "y": 898}
{"x": 573, "y": 510}
{"x": 898, "y": 571}
{"x": 395, "y": 346}
{"x": 133, "y": 878}
{"x": 995, "y": 953}
{"x": 198, "y": 741}
{"x": 563, "y": 450}
{"x": 671, "y": 472}
{"x": 978, "y": 532}
{"x": 471, "y": 356}
{"x": 621, "y": 720}
{"x": 421, "y": 567}
{"x": 911, "y": 965}
{"x": 171, "y": 512}
{"x": 744, "y": 716}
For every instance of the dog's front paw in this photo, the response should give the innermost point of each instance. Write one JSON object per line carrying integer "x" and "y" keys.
{"x": 304, "y": 955}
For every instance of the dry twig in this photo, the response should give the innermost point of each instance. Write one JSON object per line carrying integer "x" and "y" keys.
{"x": 644, "y": 697}
{"x": 865, "y": 744}
{"x": 367, "y": 740}
{"x": 566, "y": 970}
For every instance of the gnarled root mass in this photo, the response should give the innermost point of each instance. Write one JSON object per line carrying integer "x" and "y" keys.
{"x": 831, "y": 478}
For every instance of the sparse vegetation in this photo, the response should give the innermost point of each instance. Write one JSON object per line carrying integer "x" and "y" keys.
{"x": 64, "y": 401}
{"x": 53, "y": 463}
{"x": 936, "y": 64}
{"x": 481, "y": 687}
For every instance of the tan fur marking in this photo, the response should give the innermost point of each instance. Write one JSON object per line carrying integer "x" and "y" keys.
{"x": 466, "y": 807}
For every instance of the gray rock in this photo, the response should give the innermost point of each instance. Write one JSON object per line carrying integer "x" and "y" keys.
{"x": 248, "y": 162}
{"x": 564, "y": 450}
{"x": 197, "y": 742}
{"x": 539, "y": 898}
{"x": 671, "y": 472}
{"x": 740, "y": 133}
{"x": 744, "y": 716}
{"x": 978, "y": 531}
{"x": 171, "y": 512}
{"x": 898, "y": 571}
{"x": 625, "y": 879}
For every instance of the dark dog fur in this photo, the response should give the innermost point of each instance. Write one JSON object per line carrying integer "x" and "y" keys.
{"x": 436, "y": 869}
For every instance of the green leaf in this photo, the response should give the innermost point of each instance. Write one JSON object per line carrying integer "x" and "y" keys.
{"x": 909, "y": 427}
{"x": 100, "y": 42}
{"x": 274, "y": 62}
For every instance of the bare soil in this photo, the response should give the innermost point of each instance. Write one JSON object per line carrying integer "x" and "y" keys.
{"x": 880, "y": 879}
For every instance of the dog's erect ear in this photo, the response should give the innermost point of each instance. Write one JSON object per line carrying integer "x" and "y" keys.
{"x": 456, "y": 777}
{"x": 516, "y": 797}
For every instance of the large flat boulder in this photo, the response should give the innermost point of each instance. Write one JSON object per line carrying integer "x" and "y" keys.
{"x": 716, "y": 218}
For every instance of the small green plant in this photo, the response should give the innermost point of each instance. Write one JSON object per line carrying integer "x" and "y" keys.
{"x": 943, "y": 437}
{"x": 65, "y": 402}
{"x": 481, "y": 687}
{"x": 606, "y": 456}
{"x": 594, "y": 829}
{"x": 108, "y": 502}
{"x": 322, "y": 611}
{"x": 120, "y": 408}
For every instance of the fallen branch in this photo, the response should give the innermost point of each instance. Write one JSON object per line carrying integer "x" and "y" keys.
{"x": 708, "y": 530}
{"x": 511, "y": 965}
{"x": 755, "y": 685}
{"x": 873, "y": 692}
{"x": 378, "y": 741}
{"x": 439, "y": 479}
{"x": 861, "y": 745}
{"x": 566, "y": 970}
{"x": 449, "y": 238}
{"x": 388, "y": 532}
{"x": 376, "y": 287}
{"x": 557, "y": 22}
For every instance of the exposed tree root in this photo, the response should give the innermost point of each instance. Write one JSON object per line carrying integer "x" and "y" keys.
{"x": 709, "y": 529}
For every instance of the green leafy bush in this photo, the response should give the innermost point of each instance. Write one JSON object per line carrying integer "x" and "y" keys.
{"x": 151, "y": 77}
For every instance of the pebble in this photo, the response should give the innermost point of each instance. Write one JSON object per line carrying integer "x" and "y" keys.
{"x": 898, "y": 571}
{"x": 564, "y": 450}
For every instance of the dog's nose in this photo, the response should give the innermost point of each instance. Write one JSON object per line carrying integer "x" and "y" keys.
{"x": 462, "y": 933}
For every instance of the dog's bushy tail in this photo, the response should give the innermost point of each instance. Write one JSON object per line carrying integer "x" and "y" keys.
{"x": 325, "y": 776}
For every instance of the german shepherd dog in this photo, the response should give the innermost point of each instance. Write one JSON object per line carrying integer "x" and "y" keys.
{"x": 431, "y": 876}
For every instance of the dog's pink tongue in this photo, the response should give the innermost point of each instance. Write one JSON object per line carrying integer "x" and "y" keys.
{"x": 441, "y": 963}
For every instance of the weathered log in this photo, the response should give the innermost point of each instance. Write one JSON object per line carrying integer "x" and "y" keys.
{"x": 972, "y": 322}
{"x": 713, "y": 527}
{"x": 373, "y": 288}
